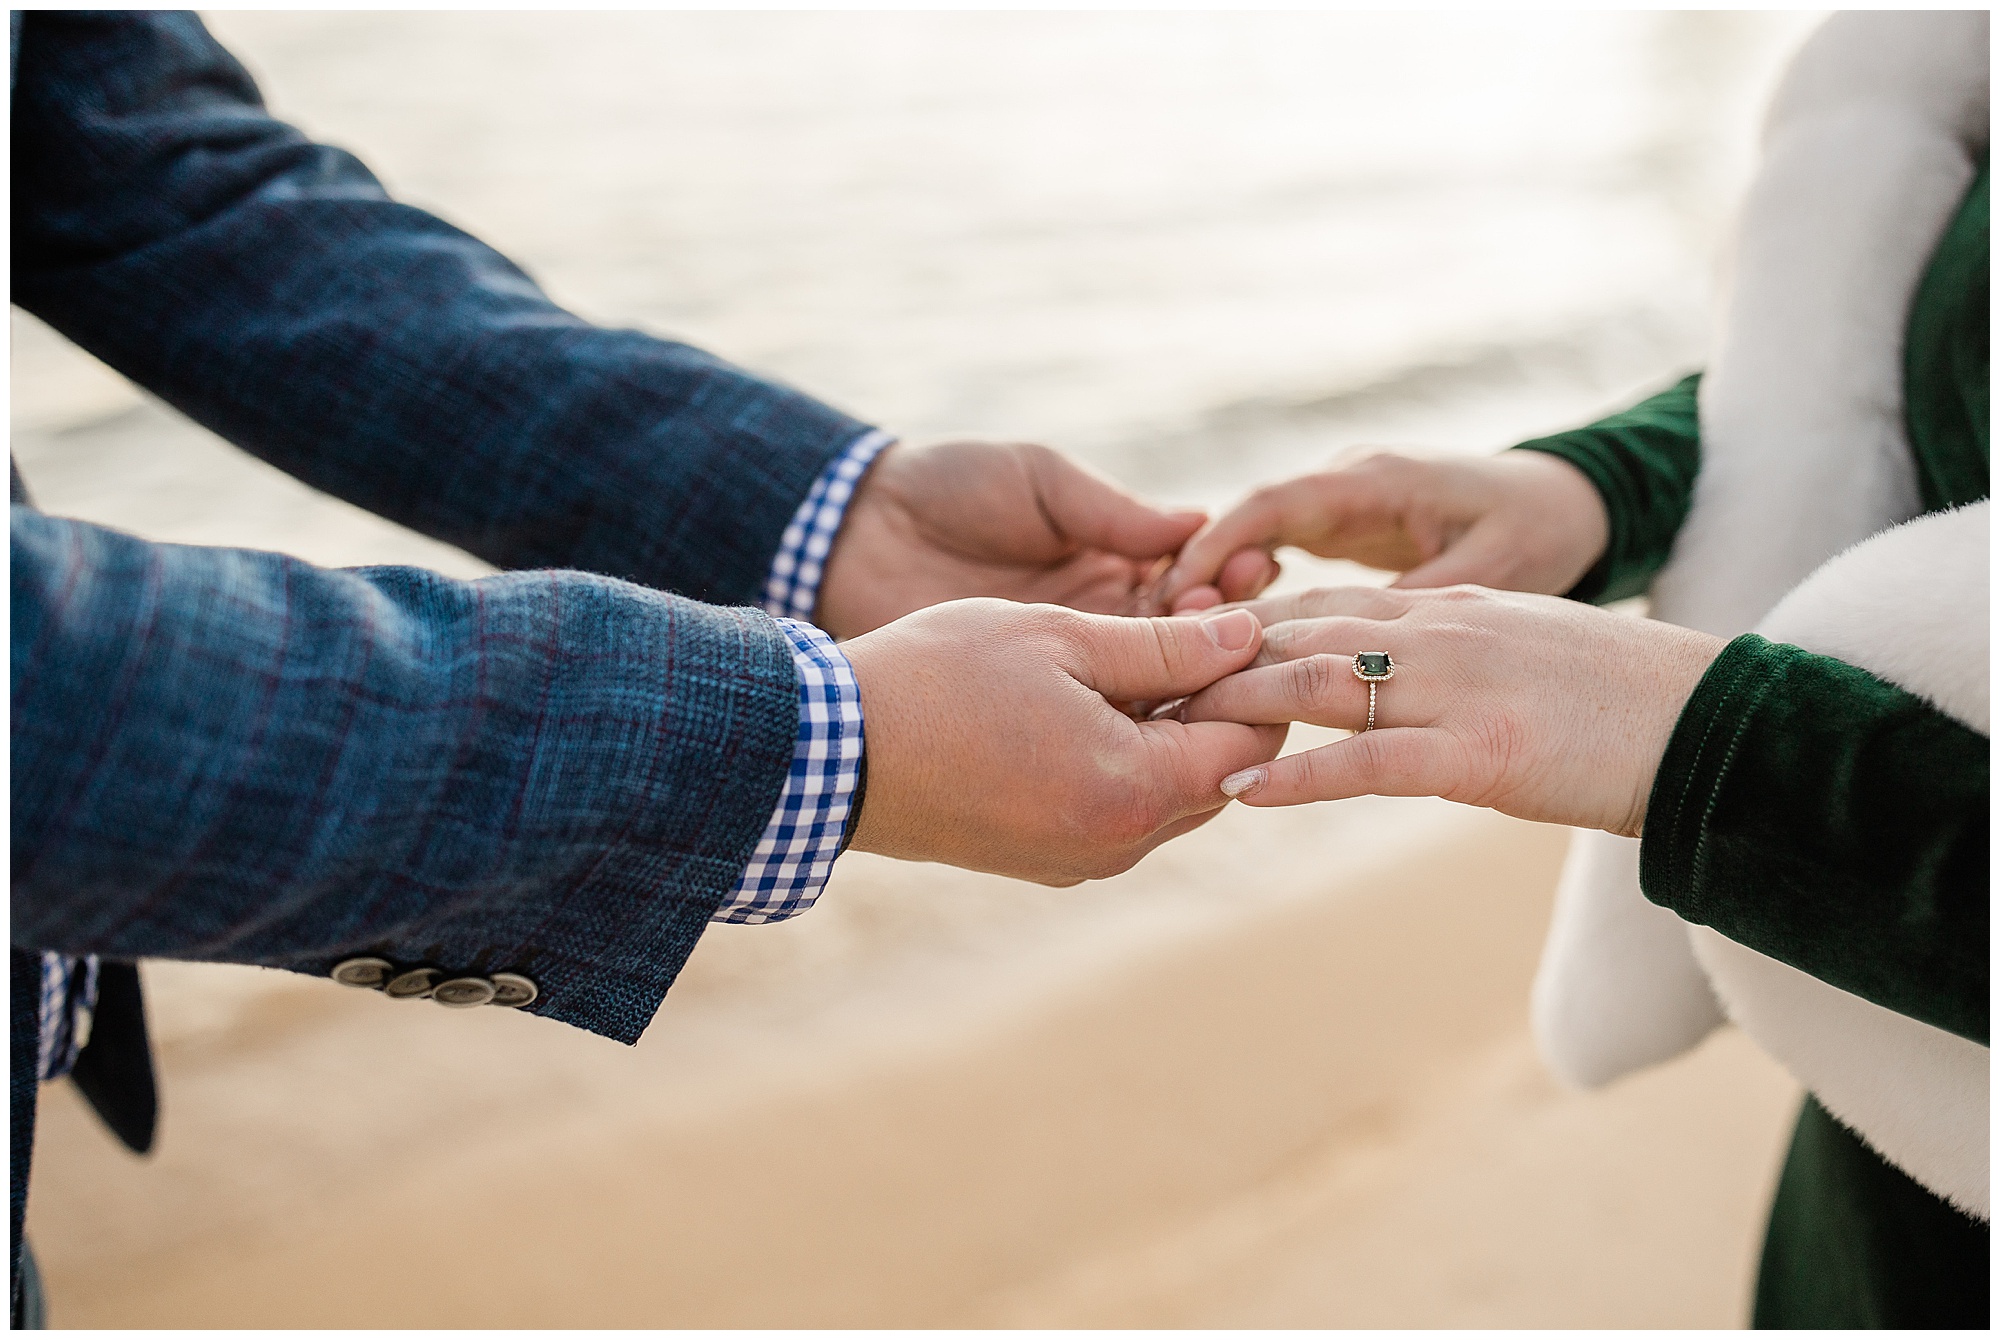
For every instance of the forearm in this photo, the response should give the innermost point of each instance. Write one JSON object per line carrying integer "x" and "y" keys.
{"x": 1832, "y": 821}
{"x": 267, "y": 287}
{"x": 1643, "y": 462}
{"x": 235, "y": 756}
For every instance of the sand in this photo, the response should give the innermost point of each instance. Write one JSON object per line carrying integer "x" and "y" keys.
{"x": 1314, "y": 1105}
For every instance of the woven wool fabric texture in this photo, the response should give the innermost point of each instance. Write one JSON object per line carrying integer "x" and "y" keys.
{"x": 236, "y": 756}
{"x": 268, "y": 287}
{"x": 541, "y": 756}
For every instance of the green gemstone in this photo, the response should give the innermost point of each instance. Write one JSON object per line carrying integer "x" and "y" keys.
{"x": 1372, "y": 664}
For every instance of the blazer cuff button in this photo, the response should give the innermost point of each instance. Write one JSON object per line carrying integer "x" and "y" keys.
{"x": 412, "y": 985}
{"x": 368, "y": 973}
{"x": 462, "y": 993}
{"x": 513, "y": 990}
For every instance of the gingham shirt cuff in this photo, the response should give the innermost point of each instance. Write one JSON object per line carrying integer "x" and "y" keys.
{"x": 68, "y": 997}
{"x": 791, "y": 591}
{"x": 806, "y": 831}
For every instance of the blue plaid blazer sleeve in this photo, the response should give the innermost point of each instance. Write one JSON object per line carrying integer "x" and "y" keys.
{"x": 229, "y": 755}
{"x": 269, "y": 288}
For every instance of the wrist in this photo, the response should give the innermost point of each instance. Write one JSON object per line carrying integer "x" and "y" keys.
{"x": 1565, "y": 515}
{"x": 875, "y": 522}
{"x": 883, "y": 825}
{"x": 796, "y": 584}
{"x": 1678, "y": 661}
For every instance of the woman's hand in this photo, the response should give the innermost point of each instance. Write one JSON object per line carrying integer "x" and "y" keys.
{"x": 1519, "y": 521}
{"x": 1538, "y": 707}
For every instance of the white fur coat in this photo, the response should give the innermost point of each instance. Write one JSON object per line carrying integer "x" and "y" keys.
{"x": 1796, "y": 531}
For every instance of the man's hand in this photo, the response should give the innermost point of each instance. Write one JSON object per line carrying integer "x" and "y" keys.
{"x": 992, "y": 746}
{"x": 1542, "y": 708}
{"x": 1519, "y": 521}
{"x": 1021, "y": 522}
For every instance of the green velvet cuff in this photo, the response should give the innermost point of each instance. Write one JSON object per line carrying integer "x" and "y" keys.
{"x": 1643, "y": 461}
{"x": 1834, "y": 822}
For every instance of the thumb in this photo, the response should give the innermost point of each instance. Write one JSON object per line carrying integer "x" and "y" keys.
{"x": 1088, "y": 509}
{"x": 1480, "y": 557}
{"x": 1148, "y": 659}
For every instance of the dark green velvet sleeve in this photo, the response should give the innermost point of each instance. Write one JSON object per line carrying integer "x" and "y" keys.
{"x": 1832, "y": 821}
{"x": 1643, "y": 461}
{"x": 1946, "y": 365}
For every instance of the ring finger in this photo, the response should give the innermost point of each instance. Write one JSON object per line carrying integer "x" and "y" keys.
{"x": 1322, "y": 689}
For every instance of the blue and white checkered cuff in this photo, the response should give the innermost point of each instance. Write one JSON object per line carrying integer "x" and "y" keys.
{"x": 791, "y": 591}
{"x": 796, "y": 853}
{"x": 68, "y": 998}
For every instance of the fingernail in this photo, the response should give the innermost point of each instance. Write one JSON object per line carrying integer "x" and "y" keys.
{"x": 1239, "y": 784}
{"x": 1232, "y": 631}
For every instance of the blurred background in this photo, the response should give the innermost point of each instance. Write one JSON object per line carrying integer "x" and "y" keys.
{"x": 1279, "y": 1074}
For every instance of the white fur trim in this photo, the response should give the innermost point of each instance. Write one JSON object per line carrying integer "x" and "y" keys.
{"x": 1803, "y": 449}
{"x": 1617, "y": 990}
{"x": 1918, "y": 1095}
{"x": 1931, "y": 64}
{"x": 1909, "y": 606}
{"x": 1868, "y": 151}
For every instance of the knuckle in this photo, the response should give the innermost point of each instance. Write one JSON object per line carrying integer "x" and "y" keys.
{"x": 1115, "y": 815}
{"x": 1396, "y": 601}
{"x": 1478, "y": 774}
{"x": 1289, "y": 640}
{"x": 1279, "y": 641}
{"x": 1038, "y": 459}
{"x": 1262, "y": 515}
{"x": 1320, "y": 768}
{"x": 1404, "y": 771}
{"x": 1058, "y": 626}
{"x": 1059, "y": 619}
{"x": 1292, "y": 606}
{"x": 1388, "y": 767}
{"x": 1314, "y": 680}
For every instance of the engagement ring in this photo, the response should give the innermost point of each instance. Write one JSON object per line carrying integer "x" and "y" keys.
{"x": 1373, "y": 667}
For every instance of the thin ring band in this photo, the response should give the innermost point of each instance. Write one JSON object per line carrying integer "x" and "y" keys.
{"x": 1373, "y": 668}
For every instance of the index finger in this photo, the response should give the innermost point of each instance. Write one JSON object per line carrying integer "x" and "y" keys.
{"x": 1258, "y": 522}
{"x": 1324, "y": 602}
{"x": 1189, "y": 760}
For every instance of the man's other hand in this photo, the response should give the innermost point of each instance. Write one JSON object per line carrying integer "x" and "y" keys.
{"x": 1012, "y": 520}
{"x": 993, "y": 743}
